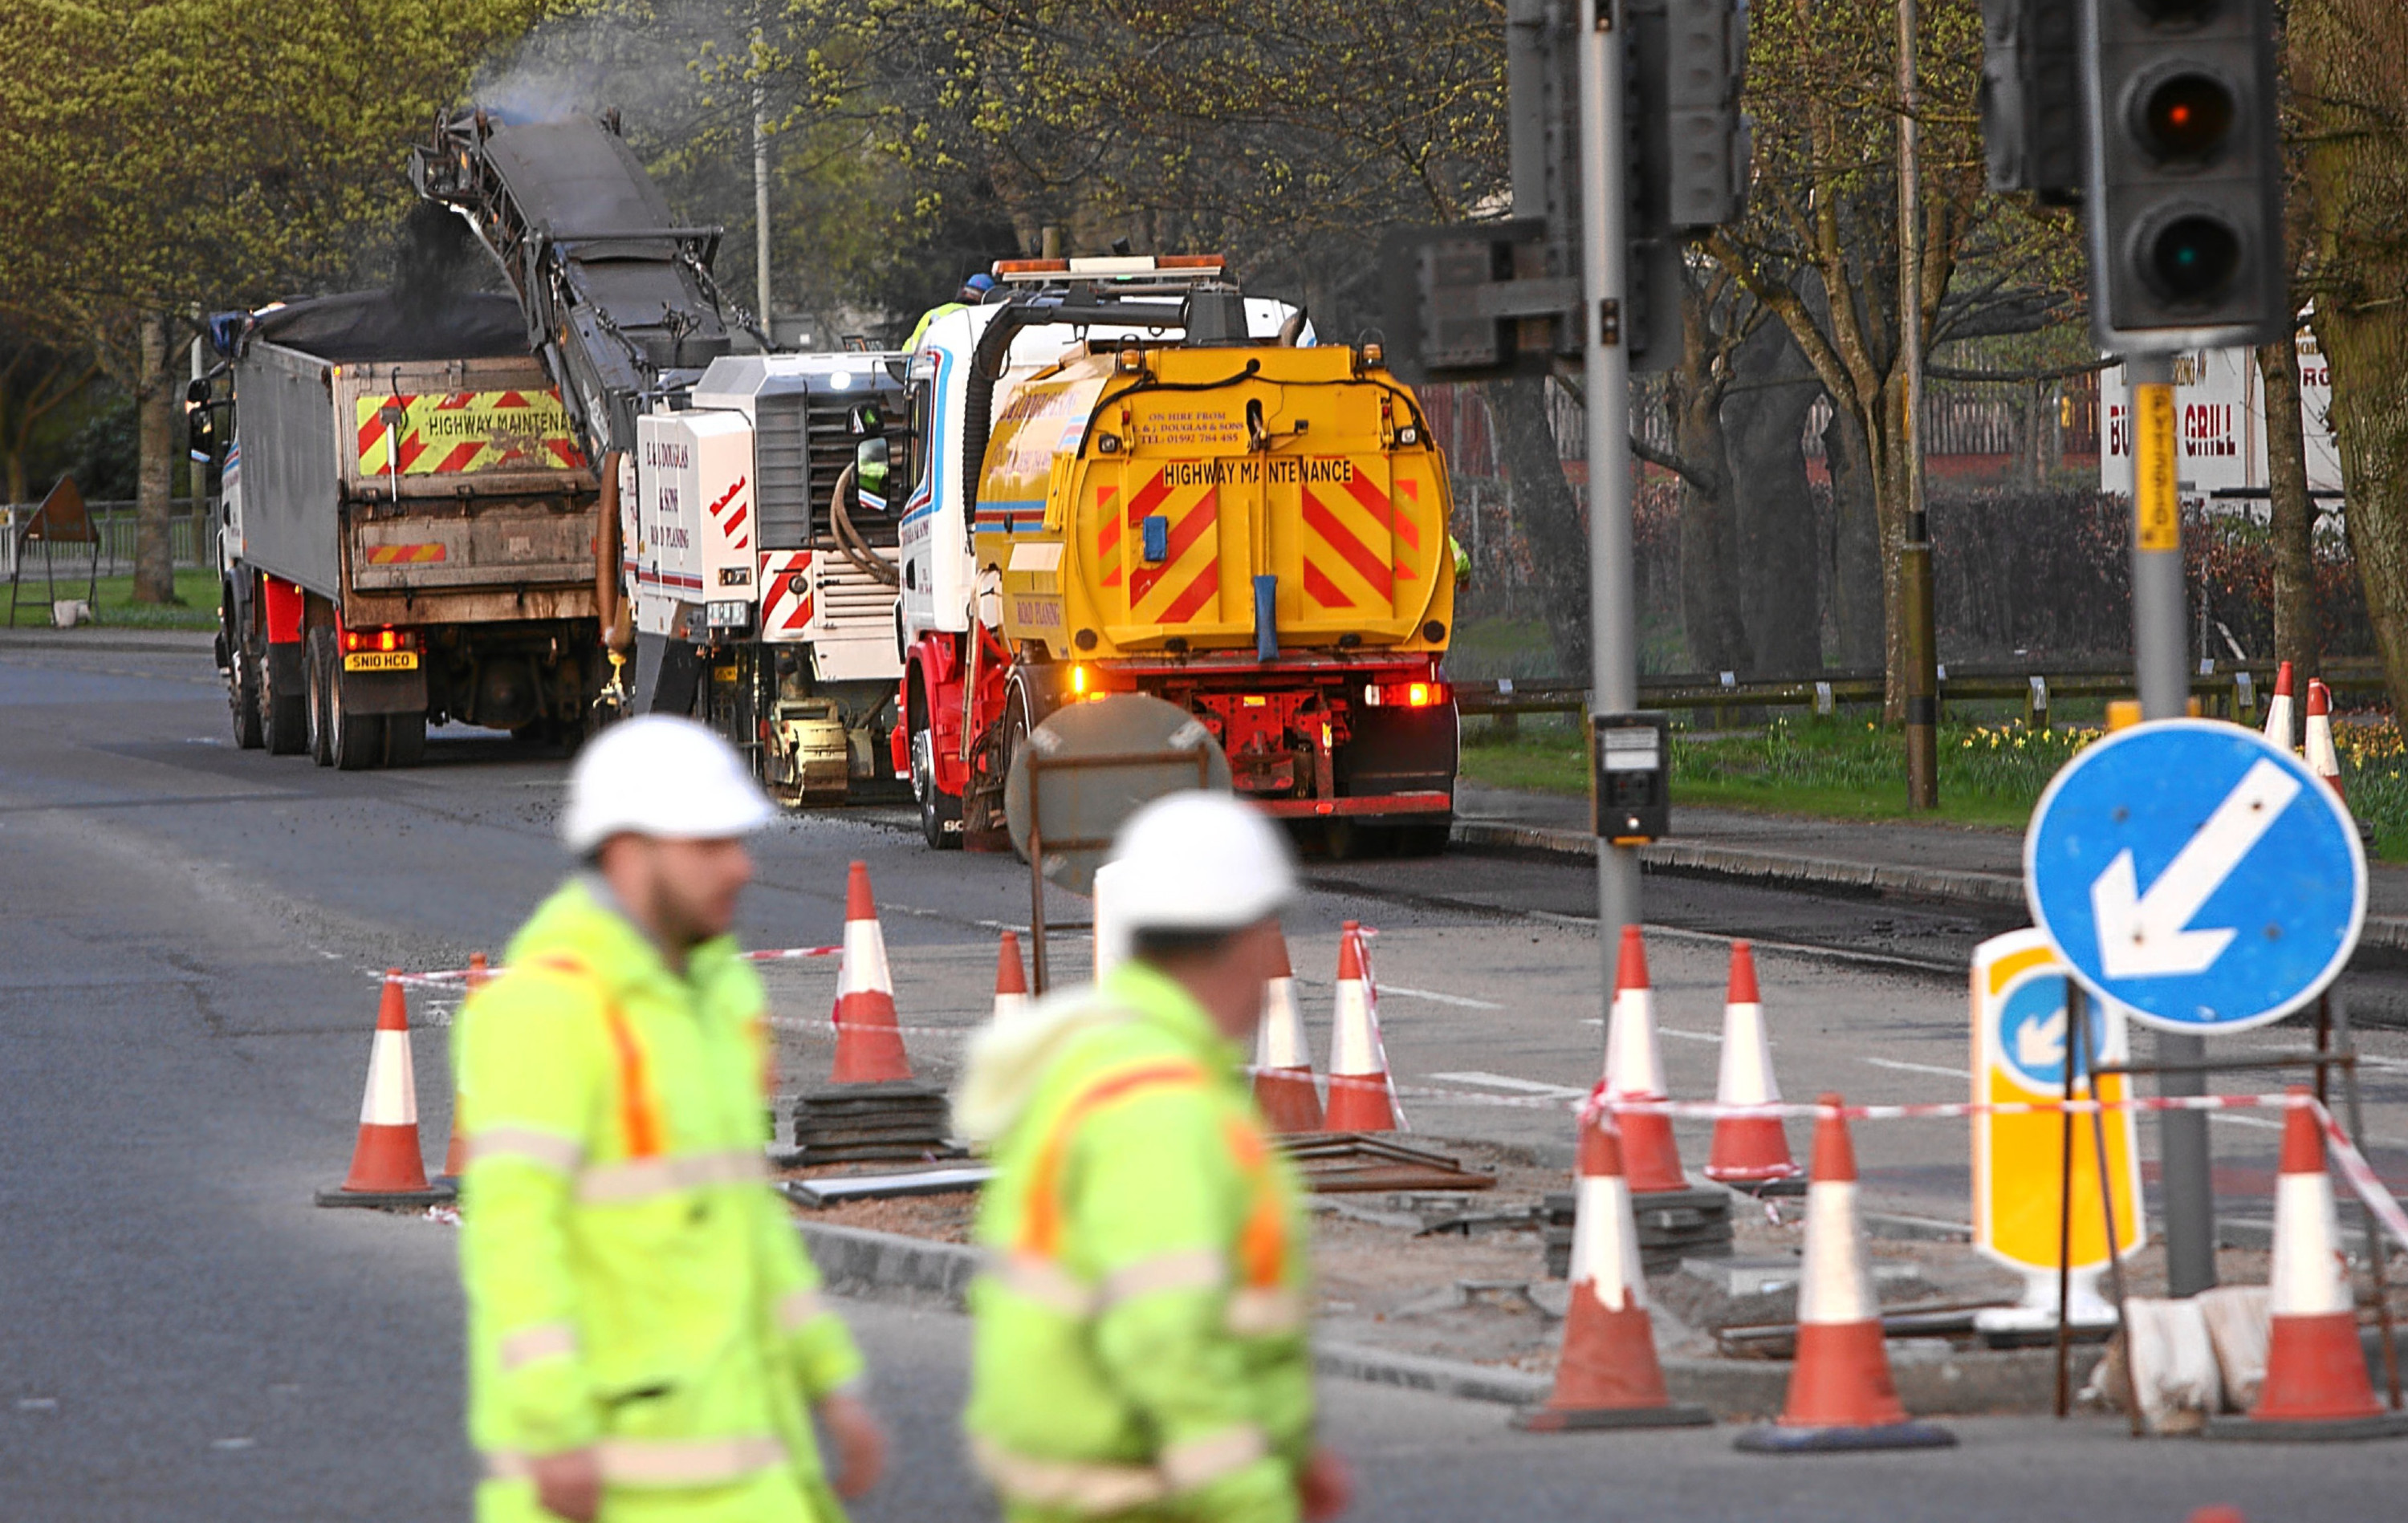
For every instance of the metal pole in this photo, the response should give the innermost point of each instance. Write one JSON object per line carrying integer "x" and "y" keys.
{"x": 761, "y": 192}
{"x": 2078, "y": 1020}
{"x": 2160, "y": 646}
{"x": 1915, "y": 553}
{"x": 1613, "y": 642}
{"x": 2378, "y": 1247}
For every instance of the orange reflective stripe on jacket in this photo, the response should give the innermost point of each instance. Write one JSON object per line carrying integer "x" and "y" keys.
{"x": 1041, "y": 1234}
{"x": 1262, "y": 1243}
{"x": 640, "y": 1111}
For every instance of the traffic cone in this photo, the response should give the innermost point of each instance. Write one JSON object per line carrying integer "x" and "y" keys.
{"x": 1749, "y": 1150}
{"x": 1360, "y": 1099}
{"x": 1282, "y": 1061}
{"x": 1011, "y": 982}
{"x": 455, "y": 1154}
{"x": 1634, "y": 1070}
{"x": 868, "y": 1049}
{"x": 387, "y": 1168}
{"x": 2322, "y": 759}
{"x": 1841, "y": 1394}
{"x": 1608, "y": 1375}
{"x": 2315, "y": 1385}
{"x": 2279, "y": 728}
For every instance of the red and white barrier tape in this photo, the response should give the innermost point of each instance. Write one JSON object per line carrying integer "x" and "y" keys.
{"x": 447, "y": 977}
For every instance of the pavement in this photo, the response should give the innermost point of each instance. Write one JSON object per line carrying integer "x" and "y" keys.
{"x": 1943, "y": 863}
{"x": 189, "y": 939}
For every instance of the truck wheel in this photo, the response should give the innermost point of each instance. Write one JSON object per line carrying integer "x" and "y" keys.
{"x": 242, "y": 696}
{"x": 405, "y": 739}
{"x": 283, "y": 711}
{"x": 939, "y": 809}
{"x": 354, "y": 742}
{"x": 318, "y": 661}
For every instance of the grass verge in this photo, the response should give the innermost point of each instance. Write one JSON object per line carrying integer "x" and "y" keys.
{"x": 113, "y": 606}
{"x": 1990, "y": 774}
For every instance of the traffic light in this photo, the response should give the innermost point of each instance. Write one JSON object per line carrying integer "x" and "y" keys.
{"x": 2031, "y": 98}
{"x": 1687, "y": 155}
{"x": 1487, "y": 299}
{"x": 2185, "y": 188}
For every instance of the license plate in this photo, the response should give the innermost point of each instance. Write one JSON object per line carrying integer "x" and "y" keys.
{"x": 380, "y": 661}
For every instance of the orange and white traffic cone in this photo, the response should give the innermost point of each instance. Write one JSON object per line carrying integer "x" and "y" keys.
{"x": 387, "y": 1168}
{"x": 455, "y": 1154}
{"x": 1359, "y": 1096}
{"x": 1011, "y": 982}
{"x": 1634, "y": 1070}
{"x": 2280, "y": 726}
{"x": 2322, "y": 759}
{"x": 2315, "y": 1385}
{"x": 1750, "y": 1151}
{"x": 1608, "y": 1375}
{"x": 1841, "y": 1393}
{"x": 1282, "y": 1061}
{"x": 868, "y": 1049}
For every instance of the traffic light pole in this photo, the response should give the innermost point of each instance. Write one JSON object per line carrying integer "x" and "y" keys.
{"x": 2160, "y": 656}
{"x": 1614, "y": 638}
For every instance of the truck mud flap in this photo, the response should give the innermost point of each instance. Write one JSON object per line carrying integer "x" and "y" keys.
{"x": 667, "y": 672}
{"x": 384, "y": 692}
{"x": 1399, "y": 750}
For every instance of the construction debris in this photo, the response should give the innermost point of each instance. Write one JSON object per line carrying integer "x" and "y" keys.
{"x": 1673, "y": 1225}
{"x": 817, "y": 1193}
{"x": 1332, "y": 1162}
{"x": 895, "y": 1122}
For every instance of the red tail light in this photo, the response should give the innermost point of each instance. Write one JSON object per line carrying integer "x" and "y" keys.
{"x": 1406, "y": 694}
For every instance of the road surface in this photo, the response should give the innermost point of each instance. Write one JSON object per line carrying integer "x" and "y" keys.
{"x": 188, "y": 938}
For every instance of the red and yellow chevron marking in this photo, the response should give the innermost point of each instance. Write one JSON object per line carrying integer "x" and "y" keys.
{"x": 1357, "y": 549}
{"x": 455, "y": 432}
{"x": 1186, "y": 587}
{"x": 405, "y": 555}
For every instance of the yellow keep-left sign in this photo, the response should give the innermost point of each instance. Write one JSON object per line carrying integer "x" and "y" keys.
{"x": 2022, "y": 1041}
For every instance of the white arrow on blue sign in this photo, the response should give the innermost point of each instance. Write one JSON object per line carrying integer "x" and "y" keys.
{"x": 2196, "y": 873}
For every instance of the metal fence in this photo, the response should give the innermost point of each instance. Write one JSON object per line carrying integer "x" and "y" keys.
{"x": 187, "y": 536}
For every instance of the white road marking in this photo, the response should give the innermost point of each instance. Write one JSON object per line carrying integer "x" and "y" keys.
{"x": 1436, "y": 998}
{"x": 1714, "y": 1037}
{"x": 1501, "y": 1081}
{"x": 1919, "y": 1068}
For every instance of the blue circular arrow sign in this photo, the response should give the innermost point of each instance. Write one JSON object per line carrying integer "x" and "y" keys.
{"x": 2196, "y": 874}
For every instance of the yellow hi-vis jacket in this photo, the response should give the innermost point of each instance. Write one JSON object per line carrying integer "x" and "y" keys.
{"x": 633, "y": 1282}
{"x": 1139, "y": 1347}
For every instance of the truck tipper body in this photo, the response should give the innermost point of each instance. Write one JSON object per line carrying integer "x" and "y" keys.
{"x": 1141, "y": 481}
{"x": 407, "y": 531}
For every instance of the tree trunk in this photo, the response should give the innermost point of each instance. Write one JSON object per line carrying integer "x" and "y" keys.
{"x": 2348, "y": 76}
{"x": 154, "y": 566}
{"x": 1551, "y": 519}
{"x": 1710, "y": 622}
{"x": 1772, "y": 503}
{"x": 2292, "y": 519}
{"x": 2368, "y": 351}
{"x": 1856, "y": 542}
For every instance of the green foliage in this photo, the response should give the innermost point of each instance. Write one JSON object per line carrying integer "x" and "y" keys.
{"x": 179, "y": 153}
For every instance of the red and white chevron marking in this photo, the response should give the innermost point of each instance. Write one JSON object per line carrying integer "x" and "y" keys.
{"x": 785, "y": 594}
{"x": 732, "y": 514}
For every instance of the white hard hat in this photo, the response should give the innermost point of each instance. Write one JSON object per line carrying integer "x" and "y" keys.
{"x": 1198, "y": 862}
{"x": 664, "y": 776}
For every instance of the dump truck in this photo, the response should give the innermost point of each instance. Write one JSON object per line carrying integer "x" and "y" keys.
{"x": 1127, "y": 476}
{"x": 406, "y": 529}
{"x": 749, "y": 581}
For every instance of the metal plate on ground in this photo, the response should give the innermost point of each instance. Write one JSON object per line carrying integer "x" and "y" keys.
{"x": 1101, "y": 762}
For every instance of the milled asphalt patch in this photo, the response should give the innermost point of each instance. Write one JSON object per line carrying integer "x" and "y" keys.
{"x": 889, "y": 1266}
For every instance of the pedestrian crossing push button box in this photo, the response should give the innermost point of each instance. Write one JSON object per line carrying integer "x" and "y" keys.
{"x": 1631, "y": 775}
